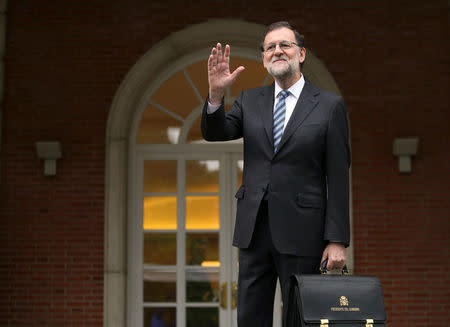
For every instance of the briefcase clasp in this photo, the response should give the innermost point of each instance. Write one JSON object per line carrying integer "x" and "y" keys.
{"x": 325, "y": 322}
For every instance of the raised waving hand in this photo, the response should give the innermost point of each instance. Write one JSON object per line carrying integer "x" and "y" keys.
{"x": 219, "y": 76}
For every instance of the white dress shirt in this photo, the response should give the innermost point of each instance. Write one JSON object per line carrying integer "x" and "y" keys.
{"x": 291, "y": 99}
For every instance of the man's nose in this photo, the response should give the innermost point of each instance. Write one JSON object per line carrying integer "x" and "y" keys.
{"x": 278, "y": 50}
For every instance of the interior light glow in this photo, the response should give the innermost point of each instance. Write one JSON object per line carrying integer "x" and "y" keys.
{"x": 210, "y": 264}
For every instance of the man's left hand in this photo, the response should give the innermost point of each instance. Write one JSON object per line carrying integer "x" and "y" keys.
{"x": 335, "y": 253}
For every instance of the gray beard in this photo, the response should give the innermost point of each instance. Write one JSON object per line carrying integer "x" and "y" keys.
{"x": 285, "y": 73}
{"x": 281, "y": 74}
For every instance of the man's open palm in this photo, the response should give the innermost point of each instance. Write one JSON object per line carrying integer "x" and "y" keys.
{"x": 219, "y": 76}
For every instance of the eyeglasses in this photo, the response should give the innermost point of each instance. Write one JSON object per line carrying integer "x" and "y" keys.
{"x": 284, "y": 46}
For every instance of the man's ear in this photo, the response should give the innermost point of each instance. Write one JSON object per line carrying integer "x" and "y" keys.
{"x": 302, "y": 56}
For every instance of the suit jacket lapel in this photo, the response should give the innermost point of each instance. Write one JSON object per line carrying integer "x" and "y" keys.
{"x": 304, "y": 106}
{"x": 266, "y": 106}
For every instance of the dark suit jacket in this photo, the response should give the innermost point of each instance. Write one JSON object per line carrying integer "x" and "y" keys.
{"x": 306, "y": 180}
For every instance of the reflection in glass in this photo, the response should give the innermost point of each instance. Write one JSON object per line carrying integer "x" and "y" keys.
{"x": 202, "y": 176}
{"x": 160, "y": 317}
{"x": 202, "y": 212}
{"x": 202, "y": 317}
{"x": 201, "y": 247}
{"x": 154, "y": 127}
{"x": 160, "y": 248}
{"x": 160, "y": 286}
{"x": 160, "y": 212}
{"x": 160, "y": 176}
{"x": 202, "y": 286}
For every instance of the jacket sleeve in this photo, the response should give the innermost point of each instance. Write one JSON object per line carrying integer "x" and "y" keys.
{"x": 337, "y": 221}
{"x": 221, "y": 125}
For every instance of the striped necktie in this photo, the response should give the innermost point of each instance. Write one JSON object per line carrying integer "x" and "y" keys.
{"x": 278, "y": 118}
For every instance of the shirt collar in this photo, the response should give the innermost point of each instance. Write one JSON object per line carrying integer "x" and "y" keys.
{"x": 295, "y": 89}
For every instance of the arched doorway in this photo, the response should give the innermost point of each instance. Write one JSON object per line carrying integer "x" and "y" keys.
{"x": 170, "y": 191}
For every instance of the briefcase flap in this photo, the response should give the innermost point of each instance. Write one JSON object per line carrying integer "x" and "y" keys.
{"x": 340, "y": 299}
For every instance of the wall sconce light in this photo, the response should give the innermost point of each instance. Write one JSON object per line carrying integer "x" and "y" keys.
{"x": 404, "y": 149}
{"x": 50, "y": 152}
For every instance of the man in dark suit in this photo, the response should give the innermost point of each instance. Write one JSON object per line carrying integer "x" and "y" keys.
{"x": 292, "y": 210}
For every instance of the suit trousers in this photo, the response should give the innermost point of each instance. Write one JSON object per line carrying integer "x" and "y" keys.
{"x": 259, "y": 266}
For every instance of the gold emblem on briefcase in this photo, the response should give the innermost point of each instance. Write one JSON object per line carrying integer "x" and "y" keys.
{"x": 343, "y": 301}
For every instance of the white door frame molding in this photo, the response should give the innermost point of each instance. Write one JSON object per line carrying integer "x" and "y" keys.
{"x": 149, "y": 72}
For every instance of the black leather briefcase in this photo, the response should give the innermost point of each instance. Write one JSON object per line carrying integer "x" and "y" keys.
{"x": 335, "y": 301}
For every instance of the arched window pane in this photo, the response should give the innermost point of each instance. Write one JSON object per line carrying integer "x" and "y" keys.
{"x": 157, "y": 127}
{"x": 198, "y": 74}
{"x": 253, "y": 75}
{"x": 177, "y": 95}
{"x": 167, "y": 115}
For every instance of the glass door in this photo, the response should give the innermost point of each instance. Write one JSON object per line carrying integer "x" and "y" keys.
{"x": 189, "y": 268}
{"x": 186, "y": 244}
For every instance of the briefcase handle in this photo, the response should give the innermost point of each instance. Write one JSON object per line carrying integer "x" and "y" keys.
{"x": 323, "y": 268}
